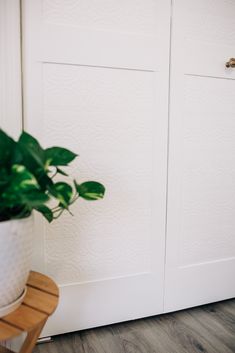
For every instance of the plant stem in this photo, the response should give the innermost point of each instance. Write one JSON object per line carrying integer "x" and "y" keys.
{"x": 74, "y": 199}
{"x": 57, "y": 208}
{"x": 59, "y": 214}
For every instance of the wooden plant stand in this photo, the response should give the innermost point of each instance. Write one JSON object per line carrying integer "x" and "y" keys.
{"x": 39, "y": 303}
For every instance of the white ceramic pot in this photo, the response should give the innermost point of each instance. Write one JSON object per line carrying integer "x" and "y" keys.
{"x": 15, "y": 260}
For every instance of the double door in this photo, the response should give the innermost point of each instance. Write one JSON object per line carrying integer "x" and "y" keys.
{"x": 140, "y": 90}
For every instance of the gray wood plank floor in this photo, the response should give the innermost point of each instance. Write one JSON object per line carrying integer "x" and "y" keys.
{"x": 206, "y": 329}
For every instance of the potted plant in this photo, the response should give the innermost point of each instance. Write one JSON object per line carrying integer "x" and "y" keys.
{"x": 28, "y": 184}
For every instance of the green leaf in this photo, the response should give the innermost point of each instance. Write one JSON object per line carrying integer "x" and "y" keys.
{"x": 44, "y": 180}
{"x": 22, "y": 178}
{"x": 33, "y": 154}
{"x": 46, "y": 212}
{"x": 62, "y": 192}
{"x": 22, "y": 189}
{"x": 59, "y": 156}
{"x": 90, "y": 190}
{"x": 34, "y": 159}
{"x": 20, "y": 181}
{"x": 4, "y": 179}
{"x": 34, "y": 198}
{"x": 26, "y": 182}
{"x": 7, "y": 145}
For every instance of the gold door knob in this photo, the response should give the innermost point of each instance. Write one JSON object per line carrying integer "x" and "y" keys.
{"x": 230, "y": 63}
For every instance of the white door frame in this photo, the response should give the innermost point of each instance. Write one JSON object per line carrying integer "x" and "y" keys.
{"x": 10, "y": 67}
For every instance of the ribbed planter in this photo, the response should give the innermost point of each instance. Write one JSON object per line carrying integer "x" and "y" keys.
{"x": 15, "y": 260}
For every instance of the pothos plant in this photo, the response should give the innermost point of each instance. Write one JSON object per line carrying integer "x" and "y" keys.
{"x": 27, "y": 179}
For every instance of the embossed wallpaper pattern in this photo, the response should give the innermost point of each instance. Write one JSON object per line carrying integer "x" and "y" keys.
{"x": 110, "y": 15}
{"x": 106, "y": 115}
{"x": 200, "y": 18}
{"x": 208, "y": 171}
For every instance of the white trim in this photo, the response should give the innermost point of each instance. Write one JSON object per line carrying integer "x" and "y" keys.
{"x": 10, "y": 67}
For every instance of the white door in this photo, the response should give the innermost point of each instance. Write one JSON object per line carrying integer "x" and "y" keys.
{"x": 96, "y": 81}
{"x": 200, "y": 264}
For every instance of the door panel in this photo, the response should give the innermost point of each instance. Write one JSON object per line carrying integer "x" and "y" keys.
{"x": 200, "y": 263}
{"x": 99, "y": 87}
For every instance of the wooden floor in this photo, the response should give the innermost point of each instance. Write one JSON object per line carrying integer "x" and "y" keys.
{"x": 208, "y": 329}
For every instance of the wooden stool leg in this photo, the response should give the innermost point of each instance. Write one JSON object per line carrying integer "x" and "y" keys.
{"x": 32, "y": 338}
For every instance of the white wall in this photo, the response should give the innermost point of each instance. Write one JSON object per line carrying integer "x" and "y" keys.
{"x": 10, "y": 79}
{"x": 10, "y": 67}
